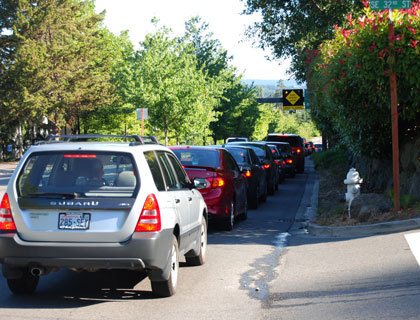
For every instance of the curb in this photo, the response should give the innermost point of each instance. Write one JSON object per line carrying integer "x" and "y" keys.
{"x": 307, "y": 211}
{"x": 364, "y": 230}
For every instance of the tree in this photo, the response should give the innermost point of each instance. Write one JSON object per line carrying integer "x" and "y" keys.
{"x": 351, "y": 85}
{"x": 179, "y": 97}
{"x": 61, "y": 63}
{"x": 292, "y": 28}
{"x": 236, "y": 107}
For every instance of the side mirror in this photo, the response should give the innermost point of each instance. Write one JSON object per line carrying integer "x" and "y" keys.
{"x": 200, "y": 183}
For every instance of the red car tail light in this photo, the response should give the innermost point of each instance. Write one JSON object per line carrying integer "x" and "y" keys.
{"x": 6, "y": 218}
{"x": 149, "y": 220}
{"x": 266, "y": 166}
{"x": 278, "y": 162}
{"x": 217, "y": 182}
{"x": 289, "y": 161}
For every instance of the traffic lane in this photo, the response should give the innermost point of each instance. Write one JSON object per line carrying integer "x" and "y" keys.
{"x": 373, "y": 277}
{"x": 231, "y": 285}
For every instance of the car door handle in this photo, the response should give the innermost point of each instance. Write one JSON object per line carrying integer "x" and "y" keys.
{"x": 190, "y": 199}
{"x": 177, "y": 200}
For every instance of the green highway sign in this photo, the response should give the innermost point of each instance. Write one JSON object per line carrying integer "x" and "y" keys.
{"x": 389, "y": 4}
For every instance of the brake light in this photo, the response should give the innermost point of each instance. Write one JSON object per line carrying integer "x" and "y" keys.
{"x": 149, "y": 220}
{"x": 247, "y": 174}
{"x": 297, "y": 150}
{"x": 80, "y": 156}
{"x": 289, "y": 161}
{"x": 278, "y": 162}
{"x": 6, "y": 218}
{"x": 217, "y": 182}
{"x": 266, "y": 166}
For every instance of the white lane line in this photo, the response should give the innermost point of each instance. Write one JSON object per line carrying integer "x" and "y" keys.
{"x": 413, "y": 240}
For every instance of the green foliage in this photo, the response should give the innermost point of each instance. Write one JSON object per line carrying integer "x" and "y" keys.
{"x": 350, "y": 84}
{"x": 236, "y": 109}
{"x": 407, "y": 201}
{"x": 60, "y": 62}
{"x": 179, "y": 96}
{"x": 290, "y": 28}
{"x": 335, "y": 157}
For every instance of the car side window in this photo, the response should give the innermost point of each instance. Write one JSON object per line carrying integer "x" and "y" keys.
{"x": 230, "y": 162}
{"x": 168, "y": 172}
{"x": 180, "y": 173}
{"x": 155, "y": 169}
{"x": 254, "y": 157}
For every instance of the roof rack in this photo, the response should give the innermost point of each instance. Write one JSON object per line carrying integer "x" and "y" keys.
{"x": 137, "y": 139}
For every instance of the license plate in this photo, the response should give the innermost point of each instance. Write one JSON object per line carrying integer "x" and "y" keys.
{"x": 73, "y": 221}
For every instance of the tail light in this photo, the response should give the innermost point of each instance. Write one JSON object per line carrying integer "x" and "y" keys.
{"x": 247, "y": 174}
{"x": 278, "y": 162}
{"x": 297, "y": 150}
{"x": 289, "y": 161}
{"x": 266, "y": 166}
{"x": 6, "y": 218}
{"x": 217, "y": 182}
{"x": 149, "y": 220}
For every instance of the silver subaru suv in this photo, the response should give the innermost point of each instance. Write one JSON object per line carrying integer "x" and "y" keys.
{"x": 91, "y": 202}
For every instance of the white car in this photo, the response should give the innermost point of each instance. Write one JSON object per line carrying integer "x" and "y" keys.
{"x": 90, "y": 205}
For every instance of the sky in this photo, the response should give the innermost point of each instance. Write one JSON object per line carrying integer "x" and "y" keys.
{"x": 224, "y": 19}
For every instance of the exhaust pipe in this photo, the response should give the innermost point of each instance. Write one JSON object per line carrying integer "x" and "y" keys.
{"x": 37, "y": 271}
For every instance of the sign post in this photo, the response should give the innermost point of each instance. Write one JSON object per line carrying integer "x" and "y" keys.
{"x": 391, "y": 5}
{"x": 142, "y": 114}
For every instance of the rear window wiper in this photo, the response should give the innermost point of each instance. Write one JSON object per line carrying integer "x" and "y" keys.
{"x": 55, "y": 195}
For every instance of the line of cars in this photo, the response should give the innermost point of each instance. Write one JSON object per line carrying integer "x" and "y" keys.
{"x": 241, "y": 173}
{"x": 92, "y": 202}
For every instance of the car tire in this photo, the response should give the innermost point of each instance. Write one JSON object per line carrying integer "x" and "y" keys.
{"x": 167, "y": 288}
{"x": 230, "y": 221}
{"x": 200, "y": 259}
{"x": 24, "y": 285}
{"x": 254, "y": 199}
{"x": 271, "y": 187}
{"x": 263, "y": 197}
{"x": 244, "y": 215}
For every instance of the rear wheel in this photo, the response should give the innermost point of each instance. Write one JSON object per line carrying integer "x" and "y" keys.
{"x": 167, "y": 288}
{"x": 254, "y": 199}
{"x": 263, "y": 196}
{"x": 230, "y": 221}
{"x": 24, "y": 285}
{"x": 244, "y": 215}
{"x": 200, "y": 259}
{"x": 271, "y": 187}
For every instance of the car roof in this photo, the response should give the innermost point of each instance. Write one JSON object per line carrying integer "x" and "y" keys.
{"x": 284, "y": 134}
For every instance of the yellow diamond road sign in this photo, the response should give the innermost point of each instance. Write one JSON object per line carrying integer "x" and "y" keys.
{"x": 292, "y": 97}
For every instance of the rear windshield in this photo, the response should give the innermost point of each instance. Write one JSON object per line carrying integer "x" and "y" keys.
{"x": 294, "y": 141}
{"x": 74, "y": 174}
{"x": 198, "y": 157}
{"x": 240, "y": 155}
{"x": 259, "y": 149}
{"x": 284, "y": 148}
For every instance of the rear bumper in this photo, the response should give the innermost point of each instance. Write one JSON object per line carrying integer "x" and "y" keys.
{"x": 142, "y": 251}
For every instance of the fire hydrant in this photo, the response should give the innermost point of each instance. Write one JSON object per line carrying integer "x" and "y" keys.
{"x": 353, "y": 182}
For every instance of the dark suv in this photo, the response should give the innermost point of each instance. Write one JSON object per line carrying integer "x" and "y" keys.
{"x": 297, "y": 144}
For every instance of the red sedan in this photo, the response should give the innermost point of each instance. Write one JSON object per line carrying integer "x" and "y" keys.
{"x": 223, "y": 186}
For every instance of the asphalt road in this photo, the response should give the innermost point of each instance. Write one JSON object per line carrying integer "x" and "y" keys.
{"x": 268, "y": 268}
{"x": 231, "y": 285}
